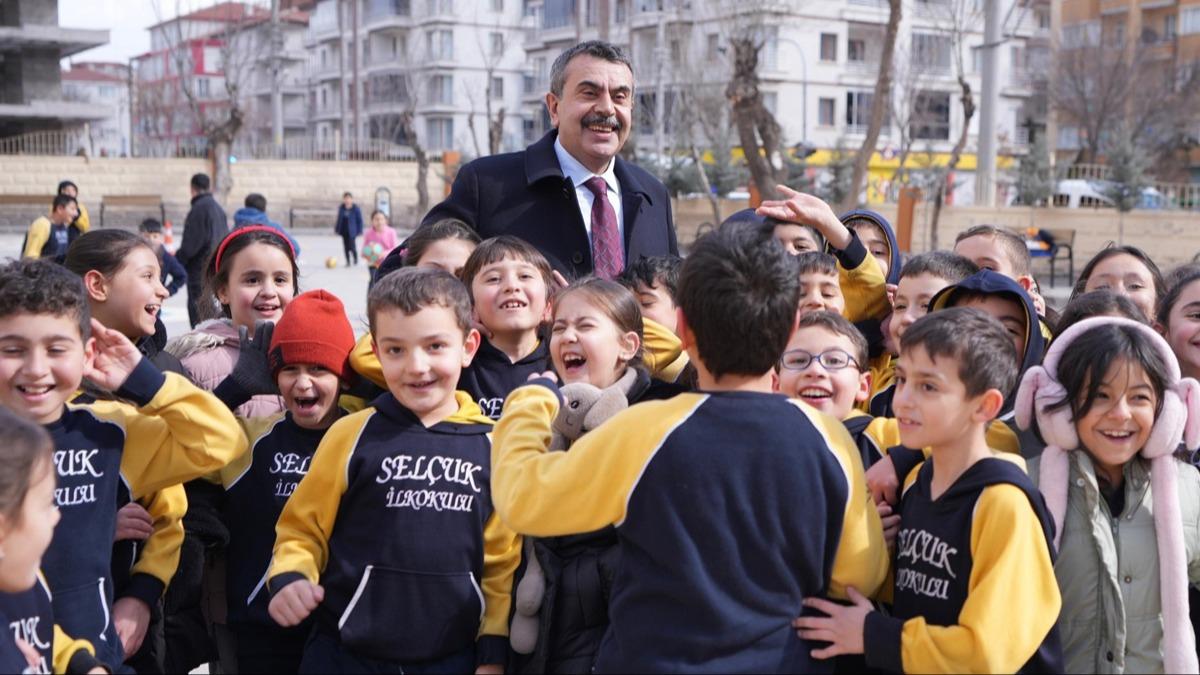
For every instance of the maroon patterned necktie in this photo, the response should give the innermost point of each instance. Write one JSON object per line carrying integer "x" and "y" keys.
{"x": 608, "y": 258}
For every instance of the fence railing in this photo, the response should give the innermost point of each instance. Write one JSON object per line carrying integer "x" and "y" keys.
{"x": 331, "y": 148}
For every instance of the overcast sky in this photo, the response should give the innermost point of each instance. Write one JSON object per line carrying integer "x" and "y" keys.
{"x": 126, "y": 21}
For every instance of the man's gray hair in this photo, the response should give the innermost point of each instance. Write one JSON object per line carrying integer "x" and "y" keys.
{"x": 596, "y": 48}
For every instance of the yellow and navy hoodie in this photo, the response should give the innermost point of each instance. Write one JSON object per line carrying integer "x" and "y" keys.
{"x": 694, "y": 487}
{"x": 974, "y": 587}
{"x": 992, "y": 283}
{"x": 871, "y": 326}
{"x": 257, "y": 487}
{"x": 862, "y": 282}
{"x": 395, "y": 521}
{"x": 492, "y": 376}
{"x": 176, "y": 433}
{"x": 29, "y": 616}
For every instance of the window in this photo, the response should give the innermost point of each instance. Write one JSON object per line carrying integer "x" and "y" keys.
{"x": 676, "y": 51}
{"x": 497, "y": 87}
{"x": 324, "y": 58}
{"x": 828, "y": 47}
{"x": 1087, "y": 34}
{"x": 528, "y": 83}
{"x": 856, "y": 50}
{"x": 1169, "y": 27}
{"x": 622, "y": 10}
{"x": 931, "y": 52}
{"x": 202, "y": 87}
{"x": 771, "y": 101}
{"x": 712, "y": 47}
{"x": 931, "y": 116}
{"x": 441, "y": 89}
{"x": 1043, "y": 19}
{"x": 441, "y": 45}
{"x": 770, "y": 52}
{"x": 439, "y": 133}
{"x": 497, "y": 42}
{"x": 497, "y": 5}
{"x": 558, "y": 13}
{"x": 858, "y": 110}
{"x": 1189, "y": 20}
{"x": 826, "y": 111}
{"x": 441, "y": 6}
{"x": 592, "y": 12}
{"x": 213, "y": 60}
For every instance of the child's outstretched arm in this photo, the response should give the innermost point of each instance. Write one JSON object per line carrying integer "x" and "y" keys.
{"x": 180, "y": 431}
{"x": 545, "y": 493}
{"x": 859, "y": 274}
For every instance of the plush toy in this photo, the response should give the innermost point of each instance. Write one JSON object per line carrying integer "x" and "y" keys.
{"x": 584, "y": 408}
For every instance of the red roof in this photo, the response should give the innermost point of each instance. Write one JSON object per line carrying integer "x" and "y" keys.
{"x": 85, "y": 75}
{"x": 228, "y": 12}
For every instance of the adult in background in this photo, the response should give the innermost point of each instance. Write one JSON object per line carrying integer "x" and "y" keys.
{"x": 49, "y": 236}
{"x": 349, "y": 225}
{"x": 206, "y": 225}
{"x": 569, "y": 194}
{"x": 82, "y": 222}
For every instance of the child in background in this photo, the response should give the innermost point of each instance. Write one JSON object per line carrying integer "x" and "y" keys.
{"x": 973, "y": 557}
{"x": 876, "y": 234}
{"x": 33, "y": 643}
{"x": 596, "y": 344}
{"x": 681, "y": 599}
{"x": 1125, "y": 270}
{"x": 121, "y": 279}
{"x": 655, "y": 282}
{"x": 1112, "y": 407}
{"x": 378, "y": 242}
{"x": 152, "y": 231}
{"x": 1179, "y": 317}
{"x": 171, "y": 433}
{"x": 819, "y": 287}
{"x": 999, "y": 250}
{"x": 308, "y": 360}
{"x": 921, "y": 278}
{"x": 510, "y": 283}
{"x": 390, "y": 541}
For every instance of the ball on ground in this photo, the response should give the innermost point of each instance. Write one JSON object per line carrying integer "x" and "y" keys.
{"x": 331, "y": 262}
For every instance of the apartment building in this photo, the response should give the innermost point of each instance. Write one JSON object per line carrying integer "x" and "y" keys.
{"x": 105, "y": 87}
{"x": 446, "y": 63}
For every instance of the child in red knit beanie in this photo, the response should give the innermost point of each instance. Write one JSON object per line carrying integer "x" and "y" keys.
{"x": 308, "y": 361}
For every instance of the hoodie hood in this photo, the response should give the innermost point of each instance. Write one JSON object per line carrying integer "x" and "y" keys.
{"x": 991, "y": 283}
{"x": 894, "y": 265}
{"x": 248, "y": 216}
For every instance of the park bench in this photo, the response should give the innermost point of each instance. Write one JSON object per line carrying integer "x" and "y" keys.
{"x": 1061, "y": 248}
{"x": 155, "y": 202}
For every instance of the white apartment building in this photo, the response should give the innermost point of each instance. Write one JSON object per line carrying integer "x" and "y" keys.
{"x": 818, "y": 66}
{"x": 370, "y": 62}
{"x": 105, "y": 87}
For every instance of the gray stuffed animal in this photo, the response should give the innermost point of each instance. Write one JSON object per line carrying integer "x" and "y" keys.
{"x": 584, "y": 408}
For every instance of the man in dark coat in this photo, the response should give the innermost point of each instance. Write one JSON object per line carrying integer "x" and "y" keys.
{"x": 546, "y": 194}
{"x": 203, "y": 230}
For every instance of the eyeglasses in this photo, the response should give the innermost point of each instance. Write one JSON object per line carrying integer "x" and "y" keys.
{"x": 830, "y": 359}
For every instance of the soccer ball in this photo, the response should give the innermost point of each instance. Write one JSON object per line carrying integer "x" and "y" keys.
{"x": 331, "y": 262}
{"x": 372, "y": 253}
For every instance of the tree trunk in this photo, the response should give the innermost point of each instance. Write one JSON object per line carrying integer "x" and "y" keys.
{"x": 496, "y": 132}
{"x": 880, "y": 102}
{"x": 474, "y": 137}
{"x": 222, "y": 176}
{"x": 410, "y": 132}
{"x": 968, "y": 106}
{"x": 713, "y": 200}
{"x": 748, "y": 115}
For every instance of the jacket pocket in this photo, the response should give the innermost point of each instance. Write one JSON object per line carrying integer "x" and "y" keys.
{"x": 409, "y": 617}
{"x": 83, "y": 610}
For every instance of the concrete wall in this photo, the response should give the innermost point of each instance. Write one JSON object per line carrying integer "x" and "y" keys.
{"x": 282, "y": 182}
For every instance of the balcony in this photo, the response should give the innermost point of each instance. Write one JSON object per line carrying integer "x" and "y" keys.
{"x": 321, "y": 32}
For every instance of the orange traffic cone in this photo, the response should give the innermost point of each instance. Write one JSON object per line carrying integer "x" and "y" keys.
{"x": 168, "y": 237}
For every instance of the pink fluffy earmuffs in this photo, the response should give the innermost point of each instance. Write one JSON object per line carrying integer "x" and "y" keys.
{"x": 1179, "y": 421}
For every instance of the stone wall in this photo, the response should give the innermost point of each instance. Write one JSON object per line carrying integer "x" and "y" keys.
{"x": 284, "y": 183}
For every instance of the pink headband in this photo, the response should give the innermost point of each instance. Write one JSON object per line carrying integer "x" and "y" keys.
{"x": 245, "y": 230}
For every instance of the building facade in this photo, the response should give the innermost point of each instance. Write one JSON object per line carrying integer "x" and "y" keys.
{"x": 105, "y": 87}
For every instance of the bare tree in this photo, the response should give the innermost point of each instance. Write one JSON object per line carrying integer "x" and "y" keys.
{"x": 879, "y": 105}
{"x": 493, "y": 117}
{"x": 240, "y": 45}
{"x": 908, "y": 80}
{"x": 758, "y": 131}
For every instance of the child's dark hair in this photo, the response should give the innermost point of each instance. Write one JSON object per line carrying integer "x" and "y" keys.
{"x": 412, "y": 289}
{"x": 768, "y": 225}
{"x": 63, "y": 185}
{"x": 377, "y": 212}
{"x": 838, "y": 325}
{"x": 255, "y": 200}
{"x": 615, "y": 301}
{"x": 503, "y": 247}
{"x": 33, "y": 286}
{"x": 1180, "y": 279}
{"x": 944, "y": 265}
{"x": 27, "y": 450}
{"x": 651, "y": 271}
{"x": 103, "y": 251}
{"x": 61, "y": 202}
{"x": 427, "y": 235}
{"x": 985, "y": 353}
{"x": 150, "y": 225}
{"x": 739, "y": 290}
{"x": 1082, "y": 369}
{"x": 1098, "y": 303}
{"x": 812, "y": 262}
{"x": 216, "y": 272}
{"x": 1013, "y": 245}
{"x": 1160, "y": 286}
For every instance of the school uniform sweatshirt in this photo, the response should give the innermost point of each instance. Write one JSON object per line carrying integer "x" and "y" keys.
{"x": 862, "y": 282}
{"x": 29, "y": 616}
{"x": 492, "y": 376}
{"x": 871, "y": 327}
{"x": 257, "y": 486}
{"x": 176, "y": 433}
{"x": 730, "y": 508}
{"x": 974, "y": 587}
{"x": 395, "y": 521}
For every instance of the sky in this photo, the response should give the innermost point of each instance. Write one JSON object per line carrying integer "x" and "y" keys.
{"x": 126, "y": 21}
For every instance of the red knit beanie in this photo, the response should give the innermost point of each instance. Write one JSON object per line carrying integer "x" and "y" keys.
{"x": 313, "y": 330}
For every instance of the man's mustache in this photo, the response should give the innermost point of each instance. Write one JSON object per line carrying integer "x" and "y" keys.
{"x": 602, "y": 120}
